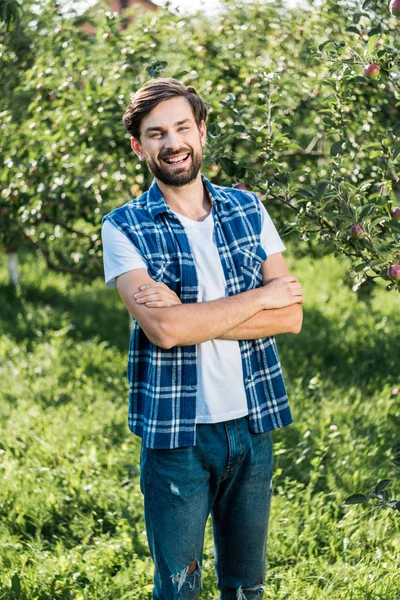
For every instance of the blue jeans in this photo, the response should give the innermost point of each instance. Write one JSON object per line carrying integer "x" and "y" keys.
{"x": 228, "y": 473}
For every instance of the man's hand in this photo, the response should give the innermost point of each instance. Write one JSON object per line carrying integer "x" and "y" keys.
{"x": 277, "y": 293}
{"x": 282, "y": 291}
{"x": 156, "y": 295}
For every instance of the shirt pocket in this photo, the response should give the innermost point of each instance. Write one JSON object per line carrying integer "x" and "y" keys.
{"x": 251, "y": 259}
{"x": 166, "y": 270}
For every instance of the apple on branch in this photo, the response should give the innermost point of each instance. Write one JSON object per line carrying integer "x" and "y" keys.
{"x": 394, "y": 272}
{"x": 357, "y": 231}
{"x": 395, "y": 212}
{"x": 371, "y": 71}
{"x": 395, "y": 8}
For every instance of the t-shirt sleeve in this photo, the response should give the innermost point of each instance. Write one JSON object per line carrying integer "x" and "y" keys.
{"x": 119, "y": 254}
{"x": 270, "y": 238}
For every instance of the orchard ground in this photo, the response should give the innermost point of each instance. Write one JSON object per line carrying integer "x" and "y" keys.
{"x": 71, "y": 521}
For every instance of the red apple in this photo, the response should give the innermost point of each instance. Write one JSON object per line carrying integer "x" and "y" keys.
{"x": 357, "y": 231}
{"x": 239, "y": 186}
{"x": 301, "y": 30}
{"x": 395, "y": 8}
{"x": 395, "y": 212}
{"x": 371, "y": 71}
{"x": 394, "y": 272}
{"x": 3, "y": 210}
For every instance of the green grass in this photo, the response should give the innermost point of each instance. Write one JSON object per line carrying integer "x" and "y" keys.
{"x": 71, "y": 519}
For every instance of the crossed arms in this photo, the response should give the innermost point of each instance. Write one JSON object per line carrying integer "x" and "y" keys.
{"x": 274, "y": 308}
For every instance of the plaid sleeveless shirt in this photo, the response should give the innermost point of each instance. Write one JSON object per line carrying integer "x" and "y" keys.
{"x": 163, "y": 383}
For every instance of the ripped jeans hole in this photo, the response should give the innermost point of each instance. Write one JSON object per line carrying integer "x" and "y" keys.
{"x": 256, "y": 589}
{"x": 188, "y": 575}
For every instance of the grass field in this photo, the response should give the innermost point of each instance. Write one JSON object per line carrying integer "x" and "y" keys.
{"x": 71, "y": 522}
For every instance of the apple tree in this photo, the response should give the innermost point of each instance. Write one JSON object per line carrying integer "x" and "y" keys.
{"x": 67, "y": 159}
{"x": 314, "y": 127}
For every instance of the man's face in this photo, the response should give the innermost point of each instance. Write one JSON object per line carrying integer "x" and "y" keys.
{"x": 171, "y": 143}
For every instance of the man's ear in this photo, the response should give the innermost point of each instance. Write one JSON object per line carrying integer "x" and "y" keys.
{"x": 137, "y": 148}
{"x": 203, "y": 133}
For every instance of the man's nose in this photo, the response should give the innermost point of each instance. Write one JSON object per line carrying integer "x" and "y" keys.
{"x": 172, "y": 141}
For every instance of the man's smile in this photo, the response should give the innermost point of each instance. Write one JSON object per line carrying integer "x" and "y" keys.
{"x": 176, "y": 160}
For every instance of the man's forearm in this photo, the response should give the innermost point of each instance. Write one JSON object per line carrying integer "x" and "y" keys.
{"x": 267, "y": 323}
{"x": 187, "y": 324}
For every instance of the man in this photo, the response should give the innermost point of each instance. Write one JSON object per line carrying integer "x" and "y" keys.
{"x": 200, "y": 269}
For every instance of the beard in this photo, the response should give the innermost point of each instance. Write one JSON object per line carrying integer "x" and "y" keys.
{"x": 179, "y": 176}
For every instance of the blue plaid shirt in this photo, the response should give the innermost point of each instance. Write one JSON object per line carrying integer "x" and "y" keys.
{"x": 163, "y": 383}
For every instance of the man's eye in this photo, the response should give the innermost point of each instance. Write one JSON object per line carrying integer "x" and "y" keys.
{"x": 181, "y": 128}
{"x": 153, "y": 135}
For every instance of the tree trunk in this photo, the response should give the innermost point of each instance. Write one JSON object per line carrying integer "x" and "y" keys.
{"x": 12, "y": 263}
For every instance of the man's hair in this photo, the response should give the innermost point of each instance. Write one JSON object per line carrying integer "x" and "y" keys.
{"x": 156, "y": 91}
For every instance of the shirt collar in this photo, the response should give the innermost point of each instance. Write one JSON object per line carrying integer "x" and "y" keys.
{"x": 157, "y": 205}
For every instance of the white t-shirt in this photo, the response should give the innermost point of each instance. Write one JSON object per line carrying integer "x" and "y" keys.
{"x": 221, "y": 394}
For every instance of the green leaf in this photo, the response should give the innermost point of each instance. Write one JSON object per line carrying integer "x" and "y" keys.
{"x": 382, "y": 485}
{"x": 348, "y": 219}
{"x": 396, "y": 130}
{"x": 393, "y": 224}
{"x": 330, "y": 83}
{"x": 156, "y": 67}
{"x": 353, "y": 29}
{"x": 357, "y": 79}
{"x": 336, "y": 148}
{"x": 321, "y": 187}
{"x": 281, "y": 178}
{"x": 356, "y": 499}
{"x": 214, "y": 129}
{"x": 228, "y": 166}
{"x": 180, "y": 74}
{"x": 305, "y": 193}
{"x": 396, "y": 152}
{"x": 366, "y": 210}
{"x": 375, "y": 153}
{"x": 371, "y": 44}
{"x": 361, "y": 267}
{"x": 322, "y": 46}
{"x": 16, "y": 584}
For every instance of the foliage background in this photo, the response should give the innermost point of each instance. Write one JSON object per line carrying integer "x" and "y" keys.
{"x": 292, "y": 115}
{"x": 291, "y": 118}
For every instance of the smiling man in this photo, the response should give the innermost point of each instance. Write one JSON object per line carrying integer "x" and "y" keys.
{"x": 200, "y": 269}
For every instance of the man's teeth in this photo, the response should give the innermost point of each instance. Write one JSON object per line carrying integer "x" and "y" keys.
{"x": 176, "y": 160}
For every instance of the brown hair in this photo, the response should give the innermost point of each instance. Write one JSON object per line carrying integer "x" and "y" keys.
{"x": 156, "y": 91}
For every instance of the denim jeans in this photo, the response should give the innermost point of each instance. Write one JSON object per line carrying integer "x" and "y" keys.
{"x": 228, "y": 473}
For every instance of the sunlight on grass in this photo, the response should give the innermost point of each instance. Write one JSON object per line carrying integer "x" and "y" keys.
{"x": 71, "y": 521}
